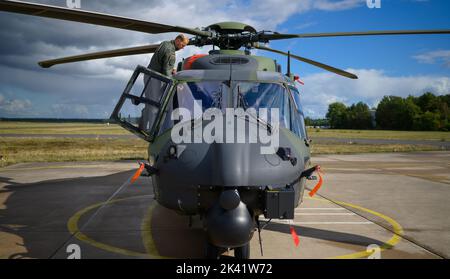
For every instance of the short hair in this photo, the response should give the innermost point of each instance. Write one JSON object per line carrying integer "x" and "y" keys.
{"x": 182, "y": 37}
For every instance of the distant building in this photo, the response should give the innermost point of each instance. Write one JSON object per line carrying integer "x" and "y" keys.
{"x": 373, "y": 117}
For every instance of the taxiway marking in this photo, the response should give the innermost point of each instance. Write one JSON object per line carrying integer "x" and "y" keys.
{"x": 153, "y": 253}
{"x": 325, "y": 214}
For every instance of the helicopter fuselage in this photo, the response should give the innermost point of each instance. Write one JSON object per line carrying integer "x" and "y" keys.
{"x": 231, "y": 180}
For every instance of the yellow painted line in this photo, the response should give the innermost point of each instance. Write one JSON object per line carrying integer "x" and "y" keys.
{"x": 147, "y": 238}
{"x": 394, "y": 240}
{"x": 152, "y": 252}
{"x": 73, "y": 228}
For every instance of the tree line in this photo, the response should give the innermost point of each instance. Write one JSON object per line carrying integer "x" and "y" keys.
{"x": 424, "y": 113}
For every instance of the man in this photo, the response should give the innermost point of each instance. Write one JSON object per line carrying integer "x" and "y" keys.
{"x": 163, "y": 61}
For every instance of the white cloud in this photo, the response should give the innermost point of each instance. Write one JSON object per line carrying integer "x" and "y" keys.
{"x": 322, "y": 89}
{"x": 337, "y": 5}
{"x": 13, "y": 106}
{"x": 432, "y": 57}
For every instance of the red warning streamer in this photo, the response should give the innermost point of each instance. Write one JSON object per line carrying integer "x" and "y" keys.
{"x": 295, "y": 236}
{"x": 137, "y": 174}
{"x": 318, "y": 185}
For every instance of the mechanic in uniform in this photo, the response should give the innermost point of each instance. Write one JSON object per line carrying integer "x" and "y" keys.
{"x": 163, "y": 62}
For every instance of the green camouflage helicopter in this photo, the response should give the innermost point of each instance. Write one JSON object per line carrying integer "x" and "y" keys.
{"x": 230, "y": 178}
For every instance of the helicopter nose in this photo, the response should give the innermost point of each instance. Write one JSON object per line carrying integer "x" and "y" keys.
{"x": 230, "y": 164}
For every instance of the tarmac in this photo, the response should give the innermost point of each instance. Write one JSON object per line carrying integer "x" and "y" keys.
{"x": 369, "y": 206}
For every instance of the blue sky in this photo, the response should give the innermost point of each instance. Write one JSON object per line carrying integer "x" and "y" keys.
{"x": 386, "y": 65}
{"x": 392, "y": 53}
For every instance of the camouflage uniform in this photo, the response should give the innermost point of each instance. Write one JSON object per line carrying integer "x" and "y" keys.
{"x": 163, "y": 61}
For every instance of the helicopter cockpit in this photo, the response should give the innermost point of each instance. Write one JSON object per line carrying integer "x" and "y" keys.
{"x": 149, "y": 114}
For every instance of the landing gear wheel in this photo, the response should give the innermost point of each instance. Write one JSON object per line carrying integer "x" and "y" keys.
{"x": 212, "y": 251}
{"x": 242, "y": 252}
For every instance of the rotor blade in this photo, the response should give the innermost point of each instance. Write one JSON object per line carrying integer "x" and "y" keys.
{"x": 93, "y": 18}
{"x": 309, "y": 61}
{"x": 99, "y": 55}
{"x": 277, "y": 36}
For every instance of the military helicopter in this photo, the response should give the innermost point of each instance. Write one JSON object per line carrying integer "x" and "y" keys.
{"x": 230, "y": 185}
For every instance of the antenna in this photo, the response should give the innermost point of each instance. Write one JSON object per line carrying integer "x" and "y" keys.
{"x": 289, "y": 64}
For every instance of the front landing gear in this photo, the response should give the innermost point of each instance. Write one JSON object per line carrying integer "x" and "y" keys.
{"x": 214, "y": 252}
{"x": 242, "y": 252}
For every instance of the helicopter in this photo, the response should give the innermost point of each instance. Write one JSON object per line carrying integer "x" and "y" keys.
{"x": 229, "y": 184}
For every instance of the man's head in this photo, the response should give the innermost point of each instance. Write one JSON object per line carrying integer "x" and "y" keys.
{"x": 181, "y": 41}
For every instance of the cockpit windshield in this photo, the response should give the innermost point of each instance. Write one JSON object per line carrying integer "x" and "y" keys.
{"x": 196, "y": 97}
{"x": 200, "y": 95}
{"x": 265, "y": 96}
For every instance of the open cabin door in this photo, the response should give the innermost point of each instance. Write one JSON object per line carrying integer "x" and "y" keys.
{"x": 140, "y": 106}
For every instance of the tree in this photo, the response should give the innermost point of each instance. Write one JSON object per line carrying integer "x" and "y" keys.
{"x": 359, "y": 116}
{"x": 396, "y": 113}
{"x": 316, "y": 122}
{"x": 428, "y": 102}
{"x": 429, "y": 121}
{"x": 337, "y": 116}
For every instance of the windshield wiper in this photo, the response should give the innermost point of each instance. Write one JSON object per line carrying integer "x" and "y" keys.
{"x": 243, "y": 103}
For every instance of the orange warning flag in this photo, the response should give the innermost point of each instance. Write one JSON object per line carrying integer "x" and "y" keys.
{"x": 295, "y": 236}
{"x": 137, "y": 174}
{"x": 317, "y": 187}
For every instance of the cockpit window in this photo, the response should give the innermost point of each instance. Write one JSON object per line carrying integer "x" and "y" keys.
{"x": 296, "y": 96}
{"x": 196, "y": 97}
{"x": 298, "y": 120}
{"x": 265, "y": 95}
{"x": 208, "y": 93}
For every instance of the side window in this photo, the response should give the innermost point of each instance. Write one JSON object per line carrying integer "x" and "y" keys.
{"x": 298, "y": 121}
{"x": 285, "y": 114}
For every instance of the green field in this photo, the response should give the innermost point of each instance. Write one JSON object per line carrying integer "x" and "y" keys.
{"x": 58, "y": 149}
{"x": 21, "y": 128}
{"x": 378, "y": 134}
{"x": 22, "y": 150}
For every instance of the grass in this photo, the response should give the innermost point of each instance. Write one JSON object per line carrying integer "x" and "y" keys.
{"x": 378, "y": 134}
{"x": 58, "y": 149}
{"x": 22, "y": 150}
{"x": 10, "y": 127}
{"x": 340, "y": 148}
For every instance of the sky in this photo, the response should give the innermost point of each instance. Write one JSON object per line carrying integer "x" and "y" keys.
{"x": 386, "y": 65}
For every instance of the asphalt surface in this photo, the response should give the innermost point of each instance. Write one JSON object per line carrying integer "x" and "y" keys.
{"x": 398, "y": 202}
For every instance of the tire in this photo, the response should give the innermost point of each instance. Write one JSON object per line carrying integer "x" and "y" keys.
{"x": 243, "y": 252}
